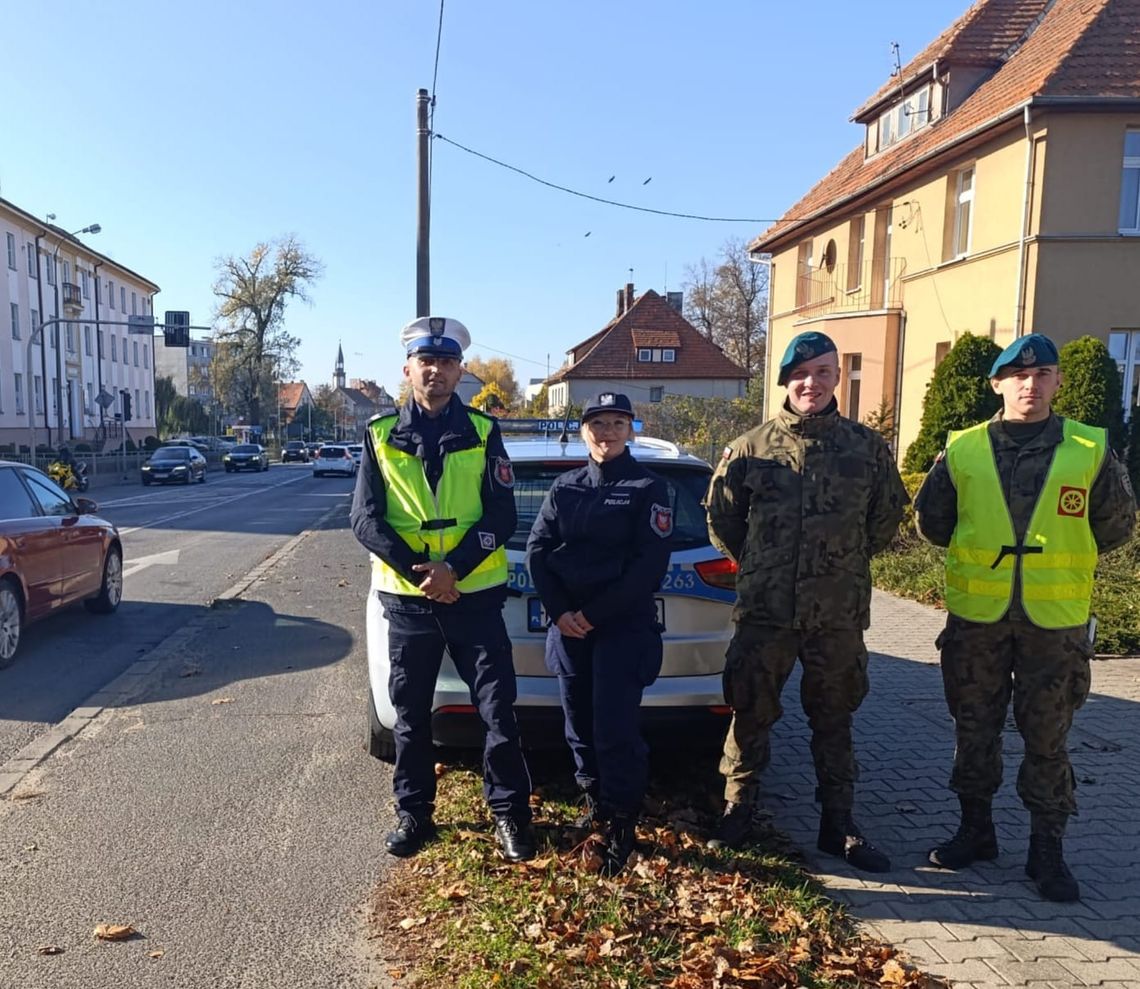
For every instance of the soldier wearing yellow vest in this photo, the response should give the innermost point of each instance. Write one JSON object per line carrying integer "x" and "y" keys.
{"x": 1024, "y": 504}
{"x": 434, "y": 505}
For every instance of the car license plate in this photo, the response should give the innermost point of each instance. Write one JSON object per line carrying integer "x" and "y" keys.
{"x": 537, "y": 619}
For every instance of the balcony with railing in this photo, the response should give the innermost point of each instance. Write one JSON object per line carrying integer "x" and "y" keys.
{"x": 867, "y": 287}
{"x": 72, "y": 296}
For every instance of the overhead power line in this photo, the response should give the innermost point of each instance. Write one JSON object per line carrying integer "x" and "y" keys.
{"x": 609, "y": 202}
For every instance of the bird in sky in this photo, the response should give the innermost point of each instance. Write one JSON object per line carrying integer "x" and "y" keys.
{"x": 611, "y": 178}
{"x": 648, "y": 180}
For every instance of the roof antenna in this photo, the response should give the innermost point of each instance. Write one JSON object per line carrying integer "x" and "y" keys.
{"x": 898, "y": 66}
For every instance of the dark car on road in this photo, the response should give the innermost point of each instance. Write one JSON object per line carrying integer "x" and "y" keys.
{"x": 54, "y": 551}
{"x": 246, "y": 456}
{"x": 182, "y": 464}
{"x": 295, "y": 450}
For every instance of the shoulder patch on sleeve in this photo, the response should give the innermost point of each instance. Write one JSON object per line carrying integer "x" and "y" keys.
{"x": 661, "y": 520}
{"x": 504, "y": 471}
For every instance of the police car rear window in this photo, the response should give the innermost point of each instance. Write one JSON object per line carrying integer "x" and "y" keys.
{"x": 687, "y": 486}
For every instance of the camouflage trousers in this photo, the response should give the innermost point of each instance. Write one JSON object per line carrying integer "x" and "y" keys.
{"x": 759, "y": 661}
{"x": 1046, "y": 671}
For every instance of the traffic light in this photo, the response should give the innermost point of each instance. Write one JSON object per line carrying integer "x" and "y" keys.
{"x": 126, "y": 396}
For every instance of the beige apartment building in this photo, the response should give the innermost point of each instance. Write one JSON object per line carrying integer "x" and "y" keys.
{"x": 996, "y": 191}
{"x": 50, "y": 393}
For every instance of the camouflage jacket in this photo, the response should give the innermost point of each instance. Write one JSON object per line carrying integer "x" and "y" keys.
{"x": 802, "y": 503}
{"x": 1022, "y": 470}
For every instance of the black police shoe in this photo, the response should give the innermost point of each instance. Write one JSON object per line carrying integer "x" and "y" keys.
{"x": 516, "y": 838}
{"x": 1046, "y": 867}
{"x": 621, "y": 836}
{"x": 839, "y": 835}
{"x": 410, "y": 835}
{"x": 734, "y": 826}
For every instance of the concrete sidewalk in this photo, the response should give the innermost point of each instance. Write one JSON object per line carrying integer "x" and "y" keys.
{"x": 986, "y": 925}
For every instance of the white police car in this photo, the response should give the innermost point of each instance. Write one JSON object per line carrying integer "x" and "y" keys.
{"x": 694, "y": 604}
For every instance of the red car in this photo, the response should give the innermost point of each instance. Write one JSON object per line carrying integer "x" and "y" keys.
{"x": 54, "y": 551}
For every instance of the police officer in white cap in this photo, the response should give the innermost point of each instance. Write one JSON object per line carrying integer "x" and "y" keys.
{"x": 434, "y": 505}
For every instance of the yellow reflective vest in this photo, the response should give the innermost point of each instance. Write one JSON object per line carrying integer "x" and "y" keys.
{"x": 1058, "y": 554}
{"x": 434, "y": 522}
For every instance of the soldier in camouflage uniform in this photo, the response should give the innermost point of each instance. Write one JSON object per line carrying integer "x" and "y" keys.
{"x": 802, "y": 503}
{"x": 1024, "y": 503}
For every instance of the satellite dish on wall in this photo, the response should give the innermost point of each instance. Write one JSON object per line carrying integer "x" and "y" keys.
{"x": 828, "y": 258}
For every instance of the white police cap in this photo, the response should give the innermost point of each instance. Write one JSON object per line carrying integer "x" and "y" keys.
{"x": 437, "y": 335}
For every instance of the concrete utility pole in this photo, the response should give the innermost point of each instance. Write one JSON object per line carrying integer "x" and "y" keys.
{"x": 423, "y": 215}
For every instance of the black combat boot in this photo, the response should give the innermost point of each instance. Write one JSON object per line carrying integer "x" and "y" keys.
{"x": 734, "y": 826}
{"x": 839, "y": 835}
{"x": 975, "y": 838}
{"x": 1046, "y": 867}
{"x": 621, "y": 835}
{"x": 410, "y": 835}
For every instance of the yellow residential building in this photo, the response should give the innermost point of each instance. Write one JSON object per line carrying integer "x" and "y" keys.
{"x": 996, "y": 191}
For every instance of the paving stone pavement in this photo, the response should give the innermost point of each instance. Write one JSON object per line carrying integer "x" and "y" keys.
{"x": 984, "y": 926}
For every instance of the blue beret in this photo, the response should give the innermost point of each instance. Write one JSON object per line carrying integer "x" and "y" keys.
{"x": 608, "y": 401}
{"x": 437, "y": 335}
{"x": 1034, "y": 350}
{"x": 804, "y": 347}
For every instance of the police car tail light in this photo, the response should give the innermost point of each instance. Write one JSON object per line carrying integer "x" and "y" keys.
{"x": 717, "y": 573}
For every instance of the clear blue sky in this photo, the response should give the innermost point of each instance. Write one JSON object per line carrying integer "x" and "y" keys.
{"x": 190, "y": 131}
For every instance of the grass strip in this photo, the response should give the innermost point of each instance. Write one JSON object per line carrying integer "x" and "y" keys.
{"x": 678, "y": 917}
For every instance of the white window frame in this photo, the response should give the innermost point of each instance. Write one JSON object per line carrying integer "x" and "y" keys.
{"x": 669, "y": 355}
{"x": 49, "y": 264}
{"x": 644, "y": 354}
{"x": 146, "y": 355}
{"x": 70, "y": 338}
{"x": 114, "y": 350}
{"x": 1128, "y": 365}
{"x": 1131, "y": 164}
{"x": 14, "y": 311}
{"x": 134, "y": 304}
{"x": 85, "y": 281}
{"x": 964, "y": 198}
{"x": 110, "y": 293}
{"x": 18, "y": 378}
{"x": 123, "y": 298}
{"x": 87, "y": 340}
{"x": 12, "y": 251}
{"x": 852, "y": 375}
{"x": 33, "y": 267}
{"x": 38, "y": 391}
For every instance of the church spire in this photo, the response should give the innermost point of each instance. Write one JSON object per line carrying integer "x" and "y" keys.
{"x": 338, "y": 374}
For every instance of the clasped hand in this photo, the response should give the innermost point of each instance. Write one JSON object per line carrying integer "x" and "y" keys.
{"x": 573, "y": 625}
{"x": 439, "y": 584}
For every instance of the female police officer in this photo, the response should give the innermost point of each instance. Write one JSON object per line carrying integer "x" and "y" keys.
{"x": 597, "y": 552}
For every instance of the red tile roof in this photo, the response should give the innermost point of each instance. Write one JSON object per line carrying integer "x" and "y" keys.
{"x": 656, "y": 338}
{"x": 981, "y": 36}
{"x": 289, "y": 394}
{"x": 1081, "y": 49}
{"x": 613, "y": 353}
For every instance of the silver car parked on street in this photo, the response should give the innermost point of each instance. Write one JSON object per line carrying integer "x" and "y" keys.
{"x": 685, "y": 704}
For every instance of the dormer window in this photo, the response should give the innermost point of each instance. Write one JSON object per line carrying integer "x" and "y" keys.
{"x": 669, "y": 355}
{"x": 904, "y": 118}
{"x": 644, "y": 354}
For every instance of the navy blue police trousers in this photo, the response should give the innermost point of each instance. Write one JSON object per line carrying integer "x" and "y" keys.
{"x": 476, "y": 640}
{"x": 601, "y": 679}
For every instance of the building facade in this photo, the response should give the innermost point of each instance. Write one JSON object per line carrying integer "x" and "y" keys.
{"x": 50, "y": 391}
{"x": 996, "y": 191}
{"x": 187, "y": 367}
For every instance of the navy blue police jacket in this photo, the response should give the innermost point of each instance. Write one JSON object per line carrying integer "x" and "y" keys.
{"x": 600, "y": 543}
{"x": 431, "y": 440}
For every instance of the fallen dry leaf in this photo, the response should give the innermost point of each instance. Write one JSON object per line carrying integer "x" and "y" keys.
{"x": 156, "y": 954}
{"x": 114, "y": 932}
{"x": 222, "y": 700}
{"x": 458, "y": 891}
{"x": 395, "y": 973}
{"x": 49, "y": 949}
{"x": 409, "y": 922}
{"x": 893, "y": 974}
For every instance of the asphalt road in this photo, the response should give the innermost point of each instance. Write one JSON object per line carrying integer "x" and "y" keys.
{"x": 229, "y": 813}
{"x": 182, "y": 547}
